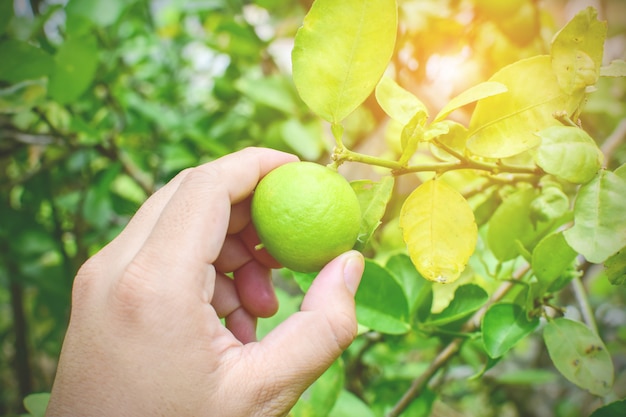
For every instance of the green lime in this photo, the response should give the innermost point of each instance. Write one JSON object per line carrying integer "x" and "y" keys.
{"x": 305, "y": 215}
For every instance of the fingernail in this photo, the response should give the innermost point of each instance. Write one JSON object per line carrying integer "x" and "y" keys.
{"x": 353, "y": 271}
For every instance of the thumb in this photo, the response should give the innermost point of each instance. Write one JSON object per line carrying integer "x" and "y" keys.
{"x": 301, "y": 348}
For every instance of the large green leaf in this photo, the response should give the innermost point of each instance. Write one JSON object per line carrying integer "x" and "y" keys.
{"x": 439, "y": 229}
{"x": 341, "y": 52}
{"x": 380, "y": 301}
{"x": 568, "y": 153}
{"x": 506, "y": 124}
{"x": 503, "y": 326}
{"x": 373, "y": 198}
{"x": 550, "y": 259}
{"x": 580, "y": 355}
{"x": 22, "y": 61}
{"x": 577, "y": 51}
{"x": 76, "y": 62}
{"x": 418, "y": 290}
{"x": 512, "y": 225}
{"x": 467, "y": 299}
{"x": 599, "y": 228}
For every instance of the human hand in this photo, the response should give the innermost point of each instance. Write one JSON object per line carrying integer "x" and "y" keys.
{"x": 145, "y": 336}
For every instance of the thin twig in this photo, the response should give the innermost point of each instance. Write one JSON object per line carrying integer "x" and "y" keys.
{"x": 613, "y": 141}
{"x": 448, "y": 352}
{"x": 583, "y": 301}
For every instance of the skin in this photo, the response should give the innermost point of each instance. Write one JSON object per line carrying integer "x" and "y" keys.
{"x": 145, "y": 336}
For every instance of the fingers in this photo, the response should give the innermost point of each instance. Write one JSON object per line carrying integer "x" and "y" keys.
{"x": 309, "y": 341}
{"x": 185, "y": 226}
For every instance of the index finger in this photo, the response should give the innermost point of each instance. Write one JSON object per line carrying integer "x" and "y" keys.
{"x": 190, "y": 230}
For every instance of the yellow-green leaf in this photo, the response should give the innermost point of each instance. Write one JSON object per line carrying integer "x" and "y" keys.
{"x": 617, "y": 68}
{"x": 373, "y": 199}
{"x": 439, "y": 229}
{"x": 506, "y": 124}
{"x": 599, "y": 229}
{"x": 477, "y": 92}
{"x": 568, "y": 153}
{"x": 577, "y": 51}
{"x": 341, "y": 52}
{"x": 398, "y": 103}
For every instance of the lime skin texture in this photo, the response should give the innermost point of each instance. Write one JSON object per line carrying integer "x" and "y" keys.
{"x": 305, "y": 215}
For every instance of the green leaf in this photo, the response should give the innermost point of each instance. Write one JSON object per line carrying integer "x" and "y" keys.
{"x": 614, "y": 409}
{"x": 617, "y": 68}
{"x": 320, "y": 397}
{"x": 568, "y": 153}
{"x": 398, "y": 103}
{"x": 577, "y": 51}
{"x": 76, "y": 62}
{"x": 451, "y": 134}
{"x": 551, "y": 258}
{"x": 616, "y": 268}
{"x": 511, "y": 223}
{"x": 36, "y": 404}
{"x": 100, "y": 12}
{"x": 380, "y": 301}
{"x": 373, "y": 199}
{"x": 273, "y": 91}
{"x": 303, "y": 138}
{"x": 580, "y": 355}
{"x": 621, "y": 172}
{"x": 503, "y": 326}
{"x": 467, "y": 299}
{"x": 6, "y": 14}
{"x": 349, "y": 405}
{"x": 439, "y": 229}
{"x": 532, "y": 377}
{"x": 599, "y": 229}
{"x": 506, "y": 124}
{"x": 473, "y": 94}
{"x": 22, "y": 61}
{"x": 417, "y": 289}
{"x": 412, "y": 134}
{"x": 551, "y": 203}
{"x": 341, "y": 52}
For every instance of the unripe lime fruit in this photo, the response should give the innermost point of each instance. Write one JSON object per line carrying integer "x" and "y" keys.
{"x": 305, "y": 215}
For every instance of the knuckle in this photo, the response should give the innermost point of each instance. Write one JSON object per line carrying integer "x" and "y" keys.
{"x": 202, "y": 176}
{"x": 131, "y": 293}
{"x": 344, "y": 329}
{"x": 86, "y": 283}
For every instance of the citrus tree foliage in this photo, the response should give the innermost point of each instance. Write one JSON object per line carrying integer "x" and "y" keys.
{"x": 484, "y": 140}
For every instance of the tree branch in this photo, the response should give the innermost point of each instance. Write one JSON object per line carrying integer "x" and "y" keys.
{"x": 614, "y": 140}
{"x": 448, "y": 352}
